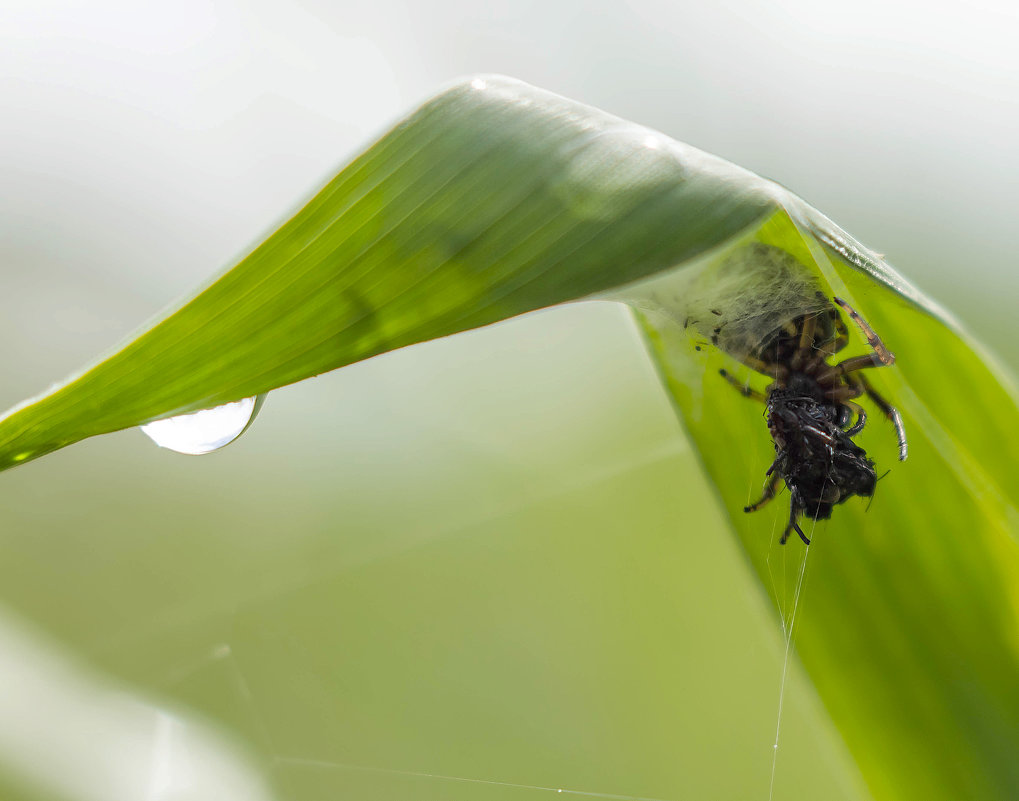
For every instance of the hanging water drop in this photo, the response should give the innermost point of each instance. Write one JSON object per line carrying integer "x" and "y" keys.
{"x": 206, "y": 430}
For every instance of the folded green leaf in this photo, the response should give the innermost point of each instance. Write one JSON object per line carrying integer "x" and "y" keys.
{"x": 909, "y": 630}
{"x": 495, "y": 199}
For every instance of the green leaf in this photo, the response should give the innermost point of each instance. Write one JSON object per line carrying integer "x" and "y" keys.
{"x": 910, "y": 632}
{"x": 492, "y": 200}
{"x": 495, "y": 199}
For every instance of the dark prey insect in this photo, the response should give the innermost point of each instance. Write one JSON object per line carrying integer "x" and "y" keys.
{"x": 810, "y": 411}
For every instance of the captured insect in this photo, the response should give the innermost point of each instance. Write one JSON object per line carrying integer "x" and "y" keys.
{"x": 811, "y": 408}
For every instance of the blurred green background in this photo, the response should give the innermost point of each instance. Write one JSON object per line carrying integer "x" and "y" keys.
{"x": 487, "y": 558}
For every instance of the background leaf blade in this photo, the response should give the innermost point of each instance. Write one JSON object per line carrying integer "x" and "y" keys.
{"x": 908, "y": 625}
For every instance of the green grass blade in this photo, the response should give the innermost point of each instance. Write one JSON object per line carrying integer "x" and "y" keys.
{"x": 493, "y": 199}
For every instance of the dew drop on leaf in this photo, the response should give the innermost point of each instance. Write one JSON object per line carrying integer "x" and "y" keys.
{"x": 206, "y": 430}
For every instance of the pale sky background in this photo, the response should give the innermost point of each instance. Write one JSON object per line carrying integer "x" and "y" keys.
{"x": 193, "y": 127}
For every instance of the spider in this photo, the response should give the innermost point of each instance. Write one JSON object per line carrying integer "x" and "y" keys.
{"x": 810, "y": 410}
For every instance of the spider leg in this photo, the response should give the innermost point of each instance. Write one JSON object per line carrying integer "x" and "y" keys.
{"x": 891, "y": 413}
{"x": 840, "y": 338}
{"x": 769, "y": 491}
{"x": 843, "y": 395}
{"x": 879, "y": 358}
{"x": 850, "y": 365}
{"x": 841, "y": 332}
{"x": 861, "y": 418}
{"x": 743, "y": 389}
{"x": 807, "y": 334}
{"x": 843, "y": 392}
{"x": 775, "y": 370}
{"x": 884, "y": 355}
{"x": 805, "y": 347}
{"x": 793, "y": 526}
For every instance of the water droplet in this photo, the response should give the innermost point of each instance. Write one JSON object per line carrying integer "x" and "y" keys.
{"x": 204, "y": 431}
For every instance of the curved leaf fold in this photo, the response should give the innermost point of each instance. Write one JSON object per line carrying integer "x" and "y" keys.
{"x": 496, "y": 198}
